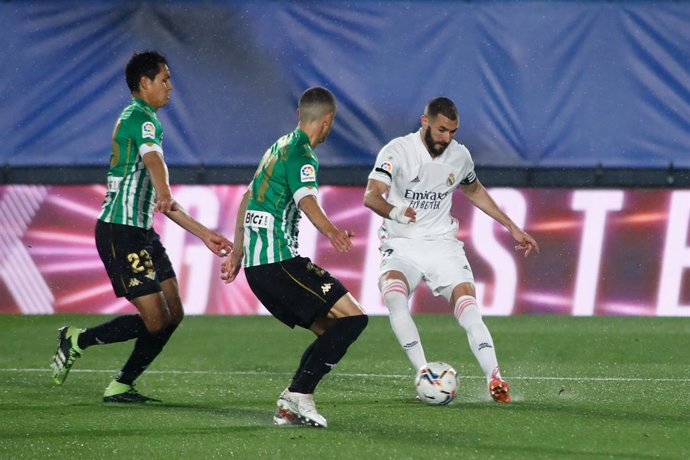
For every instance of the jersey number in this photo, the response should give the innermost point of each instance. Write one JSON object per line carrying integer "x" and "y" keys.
{"x": 140, "y": 262}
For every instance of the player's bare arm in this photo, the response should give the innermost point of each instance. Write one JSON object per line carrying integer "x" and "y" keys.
{"x": 479, "y": 196}
{"x": 374, "y": 199}
{"x": 214, "y": 241}
{"x": 340, "y": 239}
{"x": 158, "y": 171}
{"x": 231, "y": 266}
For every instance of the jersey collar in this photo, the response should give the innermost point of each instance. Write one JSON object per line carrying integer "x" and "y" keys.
{"x": 144, "y": 104}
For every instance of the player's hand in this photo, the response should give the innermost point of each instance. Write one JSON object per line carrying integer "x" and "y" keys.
{"x": 218, "y": 244}
{"x": 231, "y": 267}
{"x": 525, "y": 242}
{"x": 403, "y": 215}
{"x": 340, "y": 240}
{"x": 165, "y": 203}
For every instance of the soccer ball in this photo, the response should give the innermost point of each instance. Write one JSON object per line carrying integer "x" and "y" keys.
{"x": 436, "y": 383}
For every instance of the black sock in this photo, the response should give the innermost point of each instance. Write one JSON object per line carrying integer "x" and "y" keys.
{"x": 118, "y": 329}
{"x": 146, "y": 348}
{"x": 305, "y": 357}
{"x": 326, "y": 351}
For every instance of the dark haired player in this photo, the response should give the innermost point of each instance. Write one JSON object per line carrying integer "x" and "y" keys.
{"x": 411, "y": 187}
{"x": 294, "y": 289}
{"x": 135, "y": 259}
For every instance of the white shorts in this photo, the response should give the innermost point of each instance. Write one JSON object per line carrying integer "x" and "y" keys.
{"x": 442, "y": 264}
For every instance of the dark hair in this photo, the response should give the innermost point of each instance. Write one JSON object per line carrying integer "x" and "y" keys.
{"x": 146, "y": 63}
{"x": 443, "y": 106}
{"x": 315, "y": 103}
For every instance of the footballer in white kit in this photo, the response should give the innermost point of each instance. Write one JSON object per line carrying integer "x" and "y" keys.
{"x": 411, "y": 187}
{"x": 425, "y": 184}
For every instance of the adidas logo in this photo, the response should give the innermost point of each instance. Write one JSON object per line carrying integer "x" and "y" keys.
{"x": 416, "y": 179}
{"x": 326, "y": 287}
{"x": 407, "y": 346}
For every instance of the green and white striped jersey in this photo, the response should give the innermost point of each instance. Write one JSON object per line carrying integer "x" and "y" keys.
{"x": 129, "y": 199}
{"x": 286, "y": 174}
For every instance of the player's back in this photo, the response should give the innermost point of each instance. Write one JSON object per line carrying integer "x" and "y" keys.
{"x": 272, "y": 217}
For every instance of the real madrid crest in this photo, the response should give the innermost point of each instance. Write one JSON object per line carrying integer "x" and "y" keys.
{"x": 451, "y": 179}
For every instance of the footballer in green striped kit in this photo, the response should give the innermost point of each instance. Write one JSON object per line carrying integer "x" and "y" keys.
{"x": 132, "y": 253}
{"x": 295, "y": 290}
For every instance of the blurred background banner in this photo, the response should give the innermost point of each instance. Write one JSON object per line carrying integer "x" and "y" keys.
{"x": 604, "y": 252}
{"x": 538, "y": 84}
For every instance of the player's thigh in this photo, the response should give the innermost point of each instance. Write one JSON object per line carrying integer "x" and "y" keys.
{"x": 347, "y": 305}
{"x": 398, "y": 262}
{"x": 131, "y": 257}
{"x": 446, "y": 268}
{"x": 295, "y": 291}
{"x": 153, "y": 311}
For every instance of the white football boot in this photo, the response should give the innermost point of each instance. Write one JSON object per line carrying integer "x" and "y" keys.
{"x": 297, "y": 409}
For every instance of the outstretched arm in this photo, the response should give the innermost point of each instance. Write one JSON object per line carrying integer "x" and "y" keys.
{"x": 374, "y": 200}
{"x": 479, "y": 197}
{"x": 340, "y": 239}
{"x": 165, "y": 203}
{"x": 217, "y": 243}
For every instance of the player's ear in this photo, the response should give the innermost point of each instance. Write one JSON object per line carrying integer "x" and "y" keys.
{"x": 424, "y": 120}
{"x": 328, "y": 118}
{"x": 144, "y": 83}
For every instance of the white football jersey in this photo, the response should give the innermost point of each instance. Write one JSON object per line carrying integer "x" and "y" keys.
{"x": 426, "y": 184}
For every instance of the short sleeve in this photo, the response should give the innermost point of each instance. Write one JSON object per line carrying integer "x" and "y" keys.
{"x": 147, "y": 134}
{"x": 387, "y": 164}
{"x": 302, "y": 168}
{"x": 469, "y": 176}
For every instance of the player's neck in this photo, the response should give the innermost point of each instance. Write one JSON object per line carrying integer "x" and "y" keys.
{"x": 312, "y": 131}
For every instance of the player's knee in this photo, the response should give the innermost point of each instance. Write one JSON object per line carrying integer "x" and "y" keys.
{"x": 393, "y": 291}
{"x": 352, "y": 326}
{"x": 467, "y": 313}
{"x": 176, "y": 318}
{"x": 157, "y": 328}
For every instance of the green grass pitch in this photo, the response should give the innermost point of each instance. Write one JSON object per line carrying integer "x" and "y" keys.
{"x": 598, "y": 387}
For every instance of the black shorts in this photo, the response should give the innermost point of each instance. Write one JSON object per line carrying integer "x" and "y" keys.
{"x": 134, "y": 258}
{"x": 296, "y": 291}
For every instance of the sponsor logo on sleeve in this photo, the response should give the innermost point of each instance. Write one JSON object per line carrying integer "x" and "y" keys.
{"x": 307, "y": 173}
{"x": 148, "y": 130}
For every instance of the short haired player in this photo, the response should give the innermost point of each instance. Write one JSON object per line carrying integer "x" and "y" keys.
{"x": 294, "y": 289}
{"x": 134, "y": 258}
{"x": 411, "y": 187}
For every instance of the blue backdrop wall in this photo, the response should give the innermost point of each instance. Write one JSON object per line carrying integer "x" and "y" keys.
{"x": 538, "y": 84}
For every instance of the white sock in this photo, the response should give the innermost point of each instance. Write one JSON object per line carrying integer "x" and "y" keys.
{"x": 478, "y": 335}
{"x": 395, "y": 297}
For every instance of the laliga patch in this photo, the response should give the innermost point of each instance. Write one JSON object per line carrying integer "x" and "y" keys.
{"x": 148, "y": 130}
{"x": 307, "y": 173}
{"x": 387, "y": 166}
